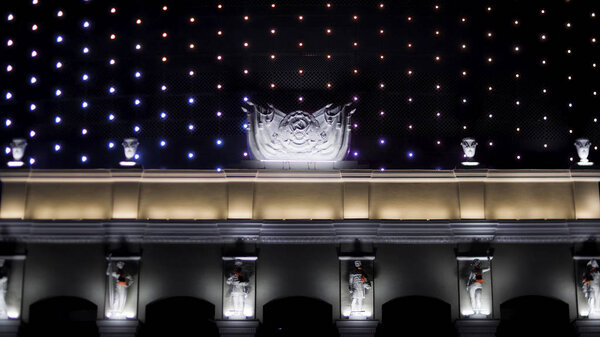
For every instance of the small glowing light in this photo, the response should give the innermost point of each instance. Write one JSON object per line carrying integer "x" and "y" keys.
{"x": 34, "y": 27}
{"x": 246, "y": 44}
{"x": 272, "y": 56}
{"x": 84, "y": 132}
{"x": 7, "y": 123}
{"x": 273, "y": 31}
{"x": 59, "y": 39}
{"x": 219, "y": 57}
{"x": 137, "y": 101}
{"x": 272, "y": 85}
{"x": 489, "y": 34}
{"x": 569, "y": 51}
{"x": 163, "y": 115}
{"x": 542, "y": 11}
{"x": 245, "y": 99}
{"x": 518, "y": 102}
{"x": 165, "y": 8}
{"x": 490, "y": 60}
{"x": 517, "y": 48}
{"x": 438, "y": 114}
{"x": 111, "y": 145}
{"x": 219, "y": 114}
{"x": 31, "y": 161}
{"x": 86, "y": 24}
{"x": 464, "y": 100}
{"x": 138, "y": 46}
{"x": 113, "y": 36}
{"x": 355, "y": 71}
{"x": 10, "y": 17}
{"x": 32, "y": 107}
{"x": 545, "y": 118}
{"x": 545, "y": 145}
{"x": 328, "y": 85}
{"x": 355, "y": 98}
{"x": 190, "y": 155}
{"x": 111, "y": 117}
{"x": 57, "y": 92}
{"x": 409, "y": 72}
{"x": 163, "y": 88}
{"x": 410, "y": 154}
{"x": 57, "y": 120}
{"x": 113, "y": 10}
{"x": 136, "y": 129}
{"x": 516, "y": 22}
{"x": 219, "y": 142}
{"x": 138, "y": 21}
{"x": 518, "y": 157}
{"x": 112, "y": 90}
{"x": 9, "y": 95}
{"x": 219, "y": 32}
{"x": 437, "y": 58}
{"x": 85, "y": 77}
{"x": 381, "y": 141}
{"x": 328, "y": 31}
{"x": 246, "y": 18}
{"x": 518, "y": 129}
{"x": 56, "y": 147}
{"x": 192, "y": 19}
{"x": 34, "y": 53}
{"x": 192, "y": 46}
{"x": 245, "y": 154}
{"x": 9, "y": 68}
{"x": 138, "y": 74}
{"x": 84, "y": 159}
{"x": 84, "y": 104}
{"x": 570, "y": 105}
{"x": 543, "y": 37}
{"x": 33, "y": 80}
{"x": 164, "y": 59}
{"x": 163, "y": 143}
{"x": 191, "y": 127}
{"x": 112, "y": 62}
{"x": 568, "y": 25}
{"x": 164, "y": 34}
{"x": 219, "y": 86}
{"x": 246, "y": 71}
{"x": 191, "y": 100}
{"x": 85, "y": 50}
{"x": 381, "y": 57}
{"x": 300, "y": 71}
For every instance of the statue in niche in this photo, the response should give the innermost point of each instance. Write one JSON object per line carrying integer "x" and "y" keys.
{"x": 468, "y": 146}
{"x": 3, "y": 289}
{"x": 119, "y": 281}
{"x": 358, "y": 284}
{"x": 591, "y": 288}
{"x": 17, "y": 147}
{"x": 475, "y": 285}
{"x": 583, "y": 151}
{"x": 130, "y": 146}
{"x": 238, "y": 289}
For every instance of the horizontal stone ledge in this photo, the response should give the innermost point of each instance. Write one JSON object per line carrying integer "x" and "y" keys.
{"x": 300, "y": 231}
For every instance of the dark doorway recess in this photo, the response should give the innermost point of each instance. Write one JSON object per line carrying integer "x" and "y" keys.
{"x": 297, "y": 316}
{"x": 530, "y": 316}
{"x": 62, "y": 316}
{"x": 416, "y": 316}
{"x": 179, "y": 316}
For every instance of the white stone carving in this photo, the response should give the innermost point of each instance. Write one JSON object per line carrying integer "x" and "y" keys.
{"x": 591, "y": 288}
{"x": 3, "y": 289}
{"x": 583, "y": 151}
{"x": 475, "y": 285}
{"x": 238, "y": 290}
{"x": 17, "y": 149}
{"x": 358, "y": 284}
{"x": 119, "y": 281}
{"x": 130, "y": 146}
{"x": 468, "y": 145}
{"x": 299, "y": 136}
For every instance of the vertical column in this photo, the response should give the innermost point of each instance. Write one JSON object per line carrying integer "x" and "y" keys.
{"x": 11, "y": 291}
{"x": 356, "y": 296}
{"x": 475, "y": 297}
{"x": 587, "y": 283}
{"x": 121, "y": 297}
{"x": 239, "y": 297}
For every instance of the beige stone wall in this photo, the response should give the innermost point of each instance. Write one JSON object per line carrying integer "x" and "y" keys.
{"x": 202, "y": 195}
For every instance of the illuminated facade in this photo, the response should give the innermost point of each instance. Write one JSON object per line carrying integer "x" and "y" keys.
{"x": 245, "y": 239}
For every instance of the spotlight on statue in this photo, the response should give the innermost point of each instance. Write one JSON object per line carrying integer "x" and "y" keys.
{"x": 583, "y": 151}
{"x": 130, "y": 146}
{"x": 17, "y": 148}
{"x": 468, "y": 146}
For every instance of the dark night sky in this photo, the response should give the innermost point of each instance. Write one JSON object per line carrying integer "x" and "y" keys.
{"x": 524, "y": 51}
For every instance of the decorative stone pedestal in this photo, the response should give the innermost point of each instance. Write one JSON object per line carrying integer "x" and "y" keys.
{"x": 476, "y": 327}
{"x": 587, "y": 327}
{"x": 9, "y": 327}
{"x": 357, "y": 328}
{"x": 231, "y": 328}
{"x": 117, "y": 328}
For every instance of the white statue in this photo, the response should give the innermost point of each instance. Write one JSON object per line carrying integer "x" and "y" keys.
{"x": 591, "y": 288}
{"x": 358, "y": 284}
{"x": 299, "y": 136}
{"x": 238, "y": 286}
{"x": 17, "y": 148}
{"x": 468, "y": 145}
{"x": 475, "y": 285}
{"x": 130, "y": 146}
{"x": 119, "y": 281}
{"x": 3, "y": 289}
{"x": 583, "y": 151}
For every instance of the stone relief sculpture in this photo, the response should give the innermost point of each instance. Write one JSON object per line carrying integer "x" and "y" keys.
{"x": 130, "y": 146}
{"x": 238, "y": 289}
{"x": 118, "y": 282}
{"x": 3, "y": 289}
{"x": 583, "y": 151}
{"x": 358, "y": 284}
{"x": 475, "y": 285}
{"x": 591, "y": 288}
{"x": 469, "y": 145}
{"x": 299, "y": 136}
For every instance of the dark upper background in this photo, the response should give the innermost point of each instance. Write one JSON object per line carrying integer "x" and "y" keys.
{"x": 406, "y": 127}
